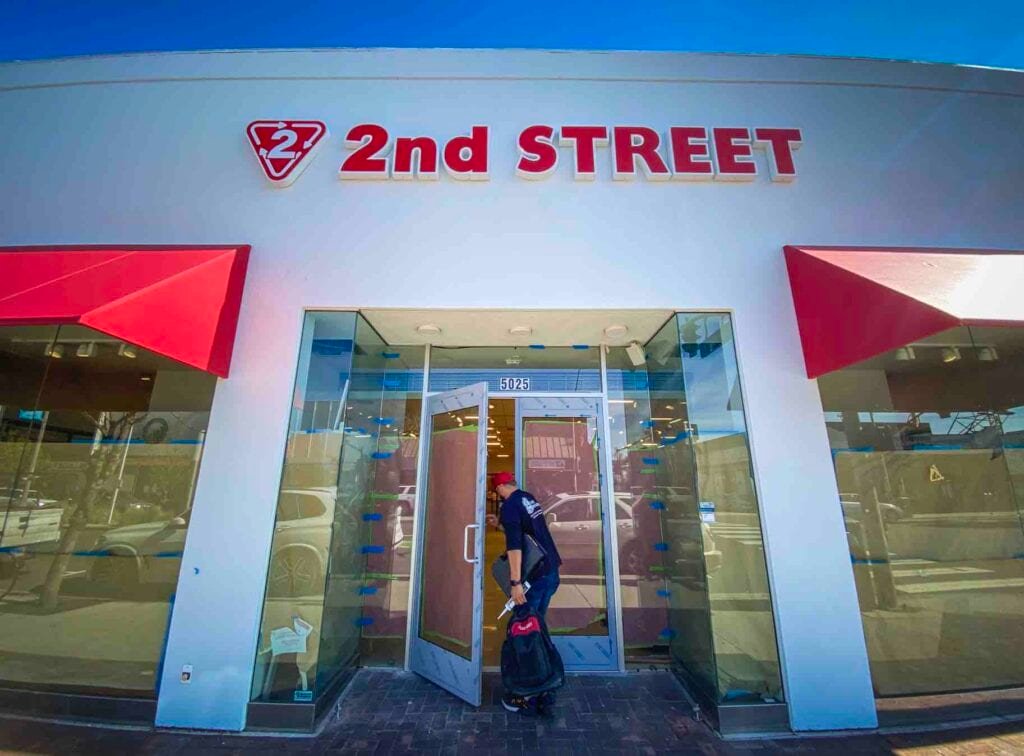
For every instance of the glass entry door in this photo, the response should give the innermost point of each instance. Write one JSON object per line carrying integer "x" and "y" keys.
{"x": 559, "y": 461}
{"x": 445, "y": 646}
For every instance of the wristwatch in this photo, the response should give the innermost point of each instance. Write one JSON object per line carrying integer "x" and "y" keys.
{"x": 514, "y": 583}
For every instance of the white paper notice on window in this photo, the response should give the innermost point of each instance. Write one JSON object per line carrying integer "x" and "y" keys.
{"x": 290, "y": 640}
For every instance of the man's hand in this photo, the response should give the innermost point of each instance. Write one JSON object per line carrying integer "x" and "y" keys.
{"x": 518, "y": 595}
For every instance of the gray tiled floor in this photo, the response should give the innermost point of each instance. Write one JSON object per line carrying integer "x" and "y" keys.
{"x": 393, "y": 712}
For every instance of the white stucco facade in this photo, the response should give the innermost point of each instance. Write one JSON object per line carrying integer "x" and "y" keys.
{"x": 150, "y": 149}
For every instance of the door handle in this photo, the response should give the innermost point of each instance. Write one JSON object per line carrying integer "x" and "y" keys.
{"x": 465, "y": 543}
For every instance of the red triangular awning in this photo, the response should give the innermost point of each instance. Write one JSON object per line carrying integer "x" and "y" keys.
{"x": 180, "y": 302}
{"x": 856, "y": 303}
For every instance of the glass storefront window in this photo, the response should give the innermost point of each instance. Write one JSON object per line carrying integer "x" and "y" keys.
{"x": 695, "y": 587}
{"x": 100, "y": 444}
{"x": 525, "y": 368}
{"x": 337, "y": 588}
{"x": 927, "y": 442}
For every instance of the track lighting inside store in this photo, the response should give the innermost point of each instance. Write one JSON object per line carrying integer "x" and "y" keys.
{"x": 56, "y": 351}
{"x": 520, "y": 330}
{"x": 127, "y": 350}
{"x": 987, "y": 354}
{"x": 950, "y": 354}
{"x": 88, "y": 349}
{"x": 616, "y": 331}
{"x": 905, "y": 353}
{"x": 428, "y": 329}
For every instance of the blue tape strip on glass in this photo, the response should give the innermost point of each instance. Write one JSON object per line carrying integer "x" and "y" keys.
{"x": 372, "y": 549}
{"x": 392, "y": 384}
{"x": 537, "y": 346}
{"x": 390, "y": 355}
{"x": 580, "y": 346}
{"x": 651, "y": 461}
{"x": 647, "y": 423}
{"x": 367, "y": 590}
{"x": 364, "y": 621}
{"x": 657, "y": 505}
{"x": 372, "y": 517}
{"x": 382, "y": 455}
{"x": 661, "y": 546}
{"x": 664, "y": 594}
{"x": 100, "y": 553}
{"x": 384, "y": 420}
{"x": 169, "y": 554}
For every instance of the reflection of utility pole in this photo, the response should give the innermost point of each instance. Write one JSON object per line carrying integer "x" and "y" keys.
{"x": 195, "y": 467}
{"x": 120, "y": 474}
{"x": 28, "y": 477}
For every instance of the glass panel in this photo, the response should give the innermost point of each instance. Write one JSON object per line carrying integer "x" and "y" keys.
{"x": 553, "y": 369}
{"x": 691, "y": 556}
{"x": 446, "y": 601}
{"x": 560, "y": 469}
{"x": 98, "y": 506}
{"x": 746, "y": 653}
{"x": 661, "y": 565}
{"x": 337, "y": 589}
{"x": 926, "y": 441}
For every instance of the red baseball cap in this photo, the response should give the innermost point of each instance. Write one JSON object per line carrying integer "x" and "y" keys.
{"x": 502, "y": 479}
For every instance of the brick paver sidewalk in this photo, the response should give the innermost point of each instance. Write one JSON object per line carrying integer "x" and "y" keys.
{"x": 394, "y": 712}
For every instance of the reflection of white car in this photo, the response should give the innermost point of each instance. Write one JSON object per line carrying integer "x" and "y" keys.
{"x": 853, "y": 509}
{"x": 302, "y": 536}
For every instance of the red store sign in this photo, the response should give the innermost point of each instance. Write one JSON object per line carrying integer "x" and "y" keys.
{"x": 683, "y": 153}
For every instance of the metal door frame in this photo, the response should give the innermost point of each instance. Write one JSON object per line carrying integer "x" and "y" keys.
{"x": 422, "y": 656}
{"x": 593, "y": 656}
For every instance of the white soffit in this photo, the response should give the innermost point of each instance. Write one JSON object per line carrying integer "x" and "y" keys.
{"x": 491, "y": 327}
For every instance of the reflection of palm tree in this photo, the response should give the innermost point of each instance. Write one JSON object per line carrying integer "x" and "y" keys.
{"x": 104, "y": 460}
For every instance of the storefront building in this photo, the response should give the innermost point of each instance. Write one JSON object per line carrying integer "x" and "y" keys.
{"x": 748, "y": 328}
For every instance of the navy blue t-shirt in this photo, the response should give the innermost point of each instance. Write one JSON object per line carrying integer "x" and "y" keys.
{"x": 520, "y": 514}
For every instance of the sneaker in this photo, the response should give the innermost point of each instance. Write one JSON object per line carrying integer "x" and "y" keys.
{"x": 514, "y": 703}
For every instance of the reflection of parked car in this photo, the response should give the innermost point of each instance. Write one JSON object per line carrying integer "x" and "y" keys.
{"x": 302, "y": 535}
{"x": 27, "y": 518}
{"x": 853, "y": 509}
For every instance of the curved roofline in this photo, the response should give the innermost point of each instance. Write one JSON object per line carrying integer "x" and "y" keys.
{"x": 538, "y": 50}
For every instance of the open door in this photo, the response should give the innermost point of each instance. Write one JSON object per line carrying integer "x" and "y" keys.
{"x": 445, "y": 645}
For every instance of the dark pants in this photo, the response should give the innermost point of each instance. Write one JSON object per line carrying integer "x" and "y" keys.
{"x": 541, "y": 591}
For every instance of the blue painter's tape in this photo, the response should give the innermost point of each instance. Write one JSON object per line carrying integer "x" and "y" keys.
{"x": 367, "y": 590}
{"x": 372, "y": 549}
{"x": 169, "y": 554}
{"x": 384, "y": 420}
{"x": 657, "y": 505}
{"x": 382, "y": 455}
{"x": 661, "y": 546}
{"x": 392, "y": 383}
{"x": 390, "y": 355}
{"x": 537, "y": 346}
{"x": 664, "y": 594}
{"x": 580, "y": 346}
{"x": 651, "y": 461}
{"x": 11, "y": 550}
{"x": 668, "y": 632}
{"x": 647, "y": 423}
{"x": 100, "y": 553}
{"x": 364, "y": 621}
{"x": 372, "y": 517}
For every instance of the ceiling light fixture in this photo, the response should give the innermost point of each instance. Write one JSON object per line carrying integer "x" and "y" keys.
{"x": 520, "y": 330}
{"x": 127, "y": 350}
{"x": 56, "y": 351}
{"x": 905, "y": 353}
{"x": 88, "y": 349}
{"x": 428, "y": 329}
{"x": 987, "y": 354}
{"x": 616, "y": 331}
{"x": 950, "y": 354}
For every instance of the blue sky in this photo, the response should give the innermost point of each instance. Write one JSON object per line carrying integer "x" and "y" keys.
{"x": 984, "y": 32}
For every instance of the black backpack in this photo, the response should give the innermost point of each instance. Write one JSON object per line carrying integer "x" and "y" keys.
{"x": 530, "y": 663}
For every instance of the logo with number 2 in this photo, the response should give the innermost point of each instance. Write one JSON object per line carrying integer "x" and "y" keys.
{"x": 285, "y": 148}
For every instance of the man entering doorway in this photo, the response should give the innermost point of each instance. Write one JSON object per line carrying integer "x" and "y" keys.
{"x": 521, "y": 515}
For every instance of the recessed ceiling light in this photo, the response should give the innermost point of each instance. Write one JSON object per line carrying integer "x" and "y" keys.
{"x": 520, "y": 330}
{"x": 616, "y": 331}
{"x": 428, "y": 329}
